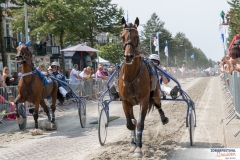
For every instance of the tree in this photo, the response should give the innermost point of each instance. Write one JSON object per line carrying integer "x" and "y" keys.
{"x": 150, "y": 29}
{"x": 2, "y": 42}
{"x": 8, "y": 12}
{"x": 105, "y": 17}
{"x": 234, "y": 14}
{"x": 111, "y": 52}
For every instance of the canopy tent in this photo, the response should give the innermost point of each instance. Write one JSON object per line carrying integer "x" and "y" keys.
{"x": 80, "y": 47}
{"x": 102, "y": 61}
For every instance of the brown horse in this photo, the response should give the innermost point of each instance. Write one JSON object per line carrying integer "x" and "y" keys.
{"x": 134, "y": 86}
{"x": 31, "y": 88}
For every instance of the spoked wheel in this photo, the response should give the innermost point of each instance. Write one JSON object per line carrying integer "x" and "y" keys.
{"x": 191, "y": 126}
{"x": 22, "y": 112}
{"x": 102, "y": 127}
{"x": 82, "y": 112}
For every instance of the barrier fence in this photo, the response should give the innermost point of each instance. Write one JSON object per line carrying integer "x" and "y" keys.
{"x": 232, "y": 85}
{"x": 92, "y": 88}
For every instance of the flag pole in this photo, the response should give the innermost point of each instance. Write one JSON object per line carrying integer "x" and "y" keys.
{"x": 158, "y": 45}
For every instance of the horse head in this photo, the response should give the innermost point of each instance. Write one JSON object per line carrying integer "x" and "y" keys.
{"x": 23, "y": 54}
{"x": 130, "y": 40}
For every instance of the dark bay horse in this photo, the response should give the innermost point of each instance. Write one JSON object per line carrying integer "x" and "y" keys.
{"x": 31, "y": 88}
{"x": 134, "y": 86}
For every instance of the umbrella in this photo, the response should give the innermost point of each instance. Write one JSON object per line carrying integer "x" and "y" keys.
{"x": 81, "y": 47}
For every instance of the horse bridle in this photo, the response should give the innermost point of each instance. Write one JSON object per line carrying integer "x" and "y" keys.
{"x": 22, "y": 56}
{"x": 129, "y": 42}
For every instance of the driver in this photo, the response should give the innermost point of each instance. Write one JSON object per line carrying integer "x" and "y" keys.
{"x": 173, "y": 92}
{"x": 64, "y": 94}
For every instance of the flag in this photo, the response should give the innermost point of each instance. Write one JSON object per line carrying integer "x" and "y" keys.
{"x": 155, "y": 42}
{"x": 192, "y": 56}
{"x": 127, "y": 18}
{"x": 166, "y": 49}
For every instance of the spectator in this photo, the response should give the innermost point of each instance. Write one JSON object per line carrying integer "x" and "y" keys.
{"x": 40, "y": 68}
{"x": 105, "y": 71}
{"x": 88, "y": 59}
{"x": 88, "y": 82}
{"x": 49, "y": 70}
{"x": 44, "y": 46}
{"x": 100, "y": 73}
{"x": 16, "y": 78}
{"x": 6, "y": 78}
{"x": 183, "y": 72}
{"x": 7, "y": 106}
{"x": 75, "y": 79}
{"x": 1, "y": 81}
{"x": 83, "y": 76}
{"x": 234, "y": 60}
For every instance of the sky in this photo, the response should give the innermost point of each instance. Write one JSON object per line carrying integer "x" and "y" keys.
{"x": 198, "y": 19}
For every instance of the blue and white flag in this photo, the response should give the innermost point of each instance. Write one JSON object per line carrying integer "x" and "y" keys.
{"x": 166, "y": 49}
{"x": 192, "y": 56}
{"x": 155, "y": 42}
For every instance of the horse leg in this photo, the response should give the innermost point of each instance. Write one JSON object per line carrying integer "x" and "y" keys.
{"x": 16, "y": 101}
{"x": 128, "y": 110}
{"x": 158, "y": 105}
{"x": 43, "y": 104}
{"x": 164, "y": 119}
{"x": 35, "y": 115}
{"x": 140, "y": 127}
{"x": 54, "y": 99}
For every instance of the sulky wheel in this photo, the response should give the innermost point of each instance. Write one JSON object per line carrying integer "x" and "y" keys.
{"x": 82, "y": 112}
{"x": 191, "y": 126}
{"x": 102, "y": 127}
{"x": 22, "y": 113}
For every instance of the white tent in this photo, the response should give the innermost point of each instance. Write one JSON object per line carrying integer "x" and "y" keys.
{"x": 102, "y": 61}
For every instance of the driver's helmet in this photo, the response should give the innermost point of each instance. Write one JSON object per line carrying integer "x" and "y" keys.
{"x": 155, "y": 57}
{"x": 55, "y": 64}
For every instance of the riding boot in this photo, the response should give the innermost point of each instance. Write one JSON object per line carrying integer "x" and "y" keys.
{"x": 163, "y": 117}
{"x": 174, "y": 92}
{"x": 68, "y": 95}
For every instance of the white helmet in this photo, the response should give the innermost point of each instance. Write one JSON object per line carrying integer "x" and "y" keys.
{"x": 55, "y": 64}
{"x": 155, "y": 57}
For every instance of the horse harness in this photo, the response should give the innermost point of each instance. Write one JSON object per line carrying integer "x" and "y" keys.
{"x": 129, "y": 42}
{"x": 151, "y": 72}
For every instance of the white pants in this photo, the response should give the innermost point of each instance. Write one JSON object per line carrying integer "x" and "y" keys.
{"x": 62, "y": 91}
{"x": 166, "y": 89}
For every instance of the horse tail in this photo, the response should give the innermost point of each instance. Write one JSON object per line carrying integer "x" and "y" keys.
{"x": 151, "y": 104}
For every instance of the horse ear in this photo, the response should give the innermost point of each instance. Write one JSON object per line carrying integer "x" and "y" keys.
{"x": 136, "y": 23}
{"x": 124, "y": 22}
{"x": 28, "y": 43}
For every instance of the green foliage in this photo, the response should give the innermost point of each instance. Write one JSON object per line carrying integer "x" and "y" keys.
{"x": 111, "y": 52}
{"x": 234, "y": 24}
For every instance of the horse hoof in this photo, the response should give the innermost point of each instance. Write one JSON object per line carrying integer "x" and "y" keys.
{"x": 137, "y": 155}
{"x": 165, "y": 121}
{"x": 54, "y": 126}
{"x": 49, "y": 125}
{"x": 36, "y": 132}
{"x": 132, "y": 148}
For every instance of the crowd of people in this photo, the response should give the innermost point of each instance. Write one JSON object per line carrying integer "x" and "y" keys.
{"x": 230, "y": 62}
{"x": 85, "y": 82}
